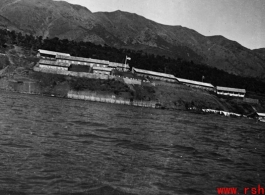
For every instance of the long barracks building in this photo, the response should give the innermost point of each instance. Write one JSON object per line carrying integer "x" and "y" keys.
{"x": 63, "y": 61}
{"x": 230, "y": 91}
{"x": 154, "y": 75}
{"x": 197, "y": 84}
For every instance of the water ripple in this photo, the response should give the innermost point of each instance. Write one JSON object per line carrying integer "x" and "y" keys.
{"x": 60, "y": 146}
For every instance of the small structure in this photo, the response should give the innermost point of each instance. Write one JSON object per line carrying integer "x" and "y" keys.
{"x": 154, "y": 75}
{"x": 197, "y": 84}
{"x": 261, "y": 116}
{"x": 50, "y": 54}
{"x": 230, "y": 91}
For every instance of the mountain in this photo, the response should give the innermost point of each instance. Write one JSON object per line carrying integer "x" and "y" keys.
{"x": 49, "y": 18}
{"x": 260, "y": 52}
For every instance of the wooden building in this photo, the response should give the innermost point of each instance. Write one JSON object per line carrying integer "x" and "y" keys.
{"x": 227, "y": 91}
{"x": 197, "y": 84}
{"x": 53, "y": 65}
{"x": 73, "y": 60}
{"x": 154, "y": 75}
{"x": 98, "y": 63}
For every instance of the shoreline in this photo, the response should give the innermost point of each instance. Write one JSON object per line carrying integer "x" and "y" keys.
{"x": 74, "y": 95}
{"x": 78, "y": 96}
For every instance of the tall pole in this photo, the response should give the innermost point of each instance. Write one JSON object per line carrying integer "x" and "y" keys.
{"x": 125, "y": 60}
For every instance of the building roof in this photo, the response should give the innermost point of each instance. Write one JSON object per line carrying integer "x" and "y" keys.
{"x": 159, "y": 74}
{"x": 118, "y": 65}
{"x": 230, "y": 89}
{"x": 47, "y": 62}
{"x": 73, "y": 58}
{"x": 195, "y": 82}
{"x": 98, "y": 61}
{"x": 81, "y": 59}
{"x": 102, "y": 68}
{"x": 261, "y": 114}
{"x": 42, "y": 51}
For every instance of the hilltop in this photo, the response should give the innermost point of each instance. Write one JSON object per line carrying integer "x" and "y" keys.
{"x": 120, "y": 29}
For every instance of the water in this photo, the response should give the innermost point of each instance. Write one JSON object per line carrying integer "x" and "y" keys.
{"x": 59, "y": 146}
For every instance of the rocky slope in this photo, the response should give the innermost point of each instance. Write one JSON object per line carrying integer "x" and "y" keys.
{"x": 49, "y": 18}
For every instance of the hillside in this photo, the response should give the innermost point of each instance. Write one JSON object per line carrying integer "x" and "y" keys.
{"x": 260, "y": 52}
{"x": 49, "y": 18}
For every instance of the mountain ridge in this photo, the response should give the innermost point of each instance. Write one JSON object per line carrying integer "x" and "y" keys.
{"x": 120, "y": 29}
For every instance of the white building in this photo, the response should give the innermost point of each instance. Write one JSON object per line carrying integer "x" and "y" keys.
{"x": 227, "y": 91}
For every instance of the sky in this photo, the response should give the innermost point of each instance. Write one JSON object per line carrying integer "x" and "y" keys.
{"x": 239, "y": 20}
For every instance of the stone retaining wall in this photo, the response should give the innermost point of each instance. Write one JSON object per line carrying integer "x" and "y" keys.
{"x": 108, "y": 99}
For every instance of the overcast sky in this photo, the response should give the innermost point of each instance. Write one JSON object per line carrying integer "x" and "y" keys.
{"x": 239, "y": 20}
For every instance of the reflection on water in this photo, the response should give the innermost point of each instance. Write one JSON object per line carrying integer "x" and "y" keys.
{"x": 59, "y": 146}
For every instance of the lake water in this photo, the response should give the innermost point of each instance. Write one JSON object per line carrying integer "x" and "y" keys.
{"x": 60, "y": 146}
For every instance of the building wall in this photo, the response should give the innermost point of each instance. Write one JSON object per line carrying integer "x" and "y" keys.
{"x": 53, "y": 67}
{"x": 74, "y": 62}
{"x": 86, "y": 95}
{"x": 74, "y": 74}
{"x": 101, "y": 72}
{"x": 99, "y": 65}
